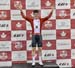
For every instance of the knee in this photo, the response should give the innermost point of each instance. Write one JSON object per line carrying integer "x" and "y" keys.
{"x": 34, "y": 49}
{"x": 39, "y": 49}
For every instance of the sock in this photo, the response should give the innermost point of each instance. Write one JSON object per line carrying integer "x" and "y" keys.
{"x": 40, "y": 60}
{"x": 33, "y": 60}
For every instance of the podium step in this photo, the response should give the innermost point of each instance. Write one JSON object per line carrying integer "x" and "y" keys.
{"x": 29, "y": 65}
{"x": 50, "y": 65}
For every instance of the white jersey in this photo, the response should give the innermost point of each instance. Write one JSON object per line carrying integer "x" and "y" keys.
{"x": 36, "y": 25}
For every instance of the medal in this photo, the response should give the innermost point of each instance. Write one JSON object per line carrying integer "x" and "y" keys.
{"x": 36, "y": 26}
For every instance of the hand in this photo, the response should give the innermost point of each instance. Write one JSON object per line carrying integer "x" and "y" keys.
{"x": 19, "y": 6}
{"x": 52, "y": 7}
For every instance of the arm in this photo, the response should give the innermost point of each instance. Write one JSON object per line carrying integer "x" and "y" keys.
{"x": 25, "y": 17}
{"x": 19, "y": 6}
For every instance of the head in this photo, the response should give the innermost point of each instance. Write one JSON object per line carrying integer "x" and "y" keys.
{"x": 36, "y": 14}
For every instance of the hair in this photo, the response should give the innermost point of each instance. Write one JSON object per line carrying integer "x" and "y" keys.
{"x": 35, "y": 11}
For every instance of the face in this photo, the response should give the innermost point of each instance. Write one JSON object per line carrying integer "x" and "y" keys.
{"x": 36, "y": 15}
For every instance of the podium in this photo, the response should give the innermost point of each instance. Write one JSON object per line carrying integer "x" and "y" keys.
{"x": 50, "y": 65}
{"x": 29, "y": 65}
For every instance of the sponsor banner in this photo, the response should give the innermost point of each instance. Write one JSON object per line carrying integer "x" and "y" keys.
{"x": 73, "y": 54}
{"x": 49, "y": 34}
{"x": 14, "y": 3}
{"x": 5, "y": 5}
{"x": 5, "y": 15}
{"x": 47, "y": 4}
{"x": 5, "y": 35}
{"x": 19, "y": 56}
{"x": 6, "y": 64}
{"x": 18, "y": 45}
{"x": 5, "y": 25}
{"x": 30, "y": 4}
{"x": 72, "y": 33}
{"x": 18, "y": 35}
{"x": 62, "y": 24}
{"x": 18, "y": 25}
{"x": 5, "y": 46}
{"x": 63, "y": 13}
{"x": 49, "y": 54}
{"x": 16, "y": 16}
{"x": 72, "y": 13}
{"x": 63, "y": 34}
{"x": 5, "y": 56}
{"x": 49, "y": 25}
{"x": 63, "y": 44}
{"x": 63, "y": 54}
{"x": 62, "y": 4}
{"x": 64, "y": 63}
{"x": 49, "y": 44}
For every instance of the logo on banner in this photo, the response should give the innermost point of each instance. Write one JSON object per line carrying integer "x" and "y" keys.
{"x": 48, "y": 44}
{"x": 16, "y": 3}
{"x": 3, "y": 35}
{"x": 62, "y": 13}
{"x": 63, "y": 33}
{"x": 48, "y": 54}
{"x": 63, "y": 54}
{"x": 3, "y": 15}
{"x": 62, "y": 4}
{"x": 48, "y": 24}
{"x": 3, "y": 25}
{"x": 48, "y": 3}
{"x": 63, "y": 24}
{"x": 18, "y": 25}
{"x": 18, "y": 35}
{"x": 64, "y": 64}
{"x": 18, "y": 45}
{"x": 3, "y": 56}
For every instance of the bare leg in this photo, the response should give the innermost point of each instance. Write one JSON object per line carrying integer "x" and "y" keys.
{"x": 33, "y": 55}
{"x": 40, "y": 55}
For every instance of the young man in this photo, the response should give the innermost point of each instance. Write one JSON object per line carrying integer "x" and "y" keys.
{"x": 36, "y": 23}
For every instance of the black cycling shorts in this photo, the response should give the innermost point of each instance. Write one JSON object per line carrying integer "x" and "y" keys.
{"x": 37, "y": 39}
